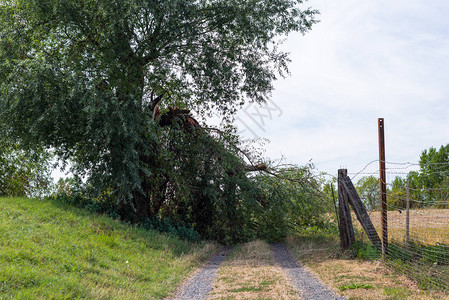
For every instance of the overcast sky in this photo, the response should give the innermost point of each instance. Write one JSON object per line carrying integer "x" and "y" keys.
{"x": 365, "y": 59}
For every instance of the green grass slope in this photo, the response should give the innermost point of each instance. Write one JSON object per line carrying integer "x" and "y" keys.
{"x": 50, "y": 250}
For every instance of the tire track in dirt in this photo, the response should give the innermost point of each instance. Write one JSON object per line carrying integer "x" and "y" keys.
{"x": 308, "y": 285}
{"x": 201, "y": 283}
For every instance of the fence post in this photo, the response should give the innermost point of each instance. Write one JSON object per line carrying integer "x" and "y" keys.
{"x": 407, "y": 217}
{"x": 383, "y": 188}
{"x": 345, "y": 226}
{"x": 335, "y": 206}
{"x": 361, "y": 213}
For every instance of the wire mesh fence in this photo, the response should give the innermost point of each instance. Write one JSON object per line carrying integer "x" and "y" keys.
{"x": 417, "y": 219}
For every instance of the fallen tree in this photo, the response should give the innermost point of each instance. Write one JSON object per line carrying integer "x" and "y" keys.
{"x": 95, "y": 80}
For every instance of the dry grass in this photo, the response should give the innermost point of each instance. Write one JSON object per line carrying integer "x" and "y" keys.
{"x": 354, "y": 279}
{"x": 428, "y": 226}
{"x": 250, "y": 272}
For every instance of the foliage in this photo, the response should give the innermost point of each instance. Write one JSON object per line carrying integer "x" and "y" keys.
{"x": 166, "y": 226}
{"x": 364, "y": 250}
{"x": 368, "y": 188}
{"x": 112, "y": 87}
{"x": 434, "y": 174}
{"x": 23, "y": 173}
{"x": 396, "y": 198}
{"x": 434, "y": 165}
{"x": 267, "y": 206}
{"x": 99, "y": 62}
{"x": 293, "y": 199}
{"x": 50, "y": 250}
{"x": 72, "y": 191}
{"x": 428, "y": 187}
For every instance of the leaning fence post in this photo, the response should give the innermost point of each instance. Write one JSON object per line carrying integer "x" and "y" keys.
{"x": 345, "y": 226}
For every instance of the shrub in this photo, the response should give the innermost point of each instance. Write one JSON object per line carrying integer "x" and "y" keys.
{"x": 365, "y": 251}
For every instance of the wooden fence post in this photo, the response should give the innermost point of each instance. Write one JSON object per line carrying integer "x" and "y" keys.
{"x": 361, "y": 213}
{"x": 345, "y": 225}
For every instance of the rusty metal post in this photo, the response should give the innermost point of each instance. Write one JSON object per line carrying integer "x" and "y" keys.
{"x": 383, "y": 187}
{"x": 407, "y": 216}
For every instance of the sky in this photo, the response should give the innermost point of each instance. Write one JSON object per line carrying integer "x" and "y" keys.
{"x": 364, "y": 60}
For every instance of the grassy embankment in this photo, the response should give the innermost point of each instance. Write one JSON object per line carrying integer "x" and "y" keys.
{"x": 50, "y": 250}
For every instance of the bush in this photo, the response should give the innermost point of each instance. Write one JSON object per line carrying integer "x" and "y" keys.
{"x": 72, "y": 191}
{"x": 164, "y": 225}
{"x": 365, "y": 251}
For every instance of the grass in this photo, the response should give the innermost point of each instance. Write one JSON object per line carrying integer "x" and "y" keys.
{"x": 354, "y": 278}
{"x": 354, "y": 286}
{"x": 50, "y": 250}
{"x": 250, "y": 272}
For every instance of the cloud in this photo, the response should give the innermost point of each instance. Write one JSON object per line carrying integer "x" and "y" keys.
{"x": 364, "y": 60}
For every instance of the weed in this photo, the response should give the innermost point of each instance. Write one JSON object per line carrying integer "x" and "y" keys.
{"x": 354, "y": 286}
{"x": 396, "y": 293}
{"x": 247, "y": 289}
{"x": 270, "y": 282}
{"x": 365, "y": 251}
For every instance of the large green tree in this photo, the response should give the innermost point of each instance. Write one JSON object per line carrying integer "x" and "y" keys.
{"x": 434, "y": 166}
{"x": 429, "y": 186}
{"x": 434, "y": 174}
{"x": 111, "y": 85}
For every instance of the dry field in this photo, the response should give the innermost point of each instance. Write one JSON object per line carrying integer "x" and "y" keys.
{"x": 428, "y": 226}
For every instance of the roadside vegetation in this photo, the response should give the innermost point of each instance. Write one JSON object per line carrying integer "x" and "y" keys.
{"x": 356, "y": 274}
{"x": 50, "y": 250}
{"x": 120, "y": 92}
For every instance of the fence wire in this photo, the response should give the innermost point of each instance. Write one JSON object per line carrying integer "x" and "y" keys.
{"x": 418, "y": 223}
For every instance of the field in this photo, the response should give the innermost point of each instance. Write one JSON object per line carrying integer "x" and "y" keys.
{"x": 49, "y": 250}
{"x": 428, "y": 226}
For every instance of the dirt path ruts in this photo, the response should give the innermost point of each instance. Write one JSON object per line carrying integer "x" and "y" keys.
{"x": 201, "y": 283}
{"x": 308, "y": 286}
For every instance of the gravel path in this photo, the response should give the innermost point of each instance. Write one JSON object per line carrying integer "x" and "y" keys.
{"x": 201, "y": 284}
{"x": 307, "y": 285}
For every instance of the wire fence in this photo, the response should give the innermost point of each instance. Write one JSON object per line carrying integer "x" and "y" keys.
{"x": 417, "y": 219}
